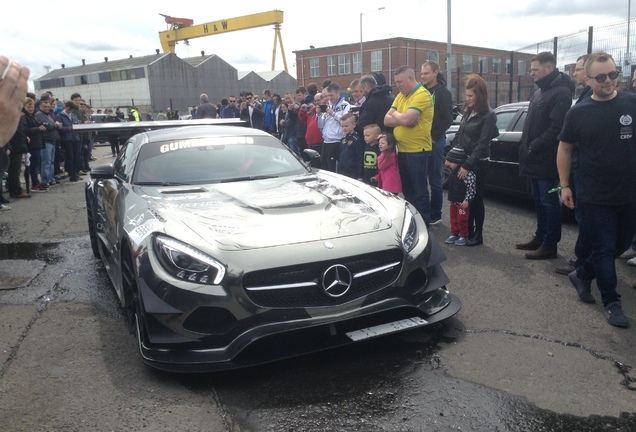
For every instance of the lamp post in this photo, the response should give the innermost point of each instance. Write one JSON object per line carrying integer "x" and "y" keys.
{"x": 362, "y": 13}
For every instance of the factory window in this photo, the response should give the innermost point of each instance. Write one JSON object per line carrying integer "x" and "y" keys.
{"x": 496, "y": 65}
{"x": 467, "y": 63}
{"x": 357, "y": 63}
{"x": 314, "y": 67}
{"x": 331, "y": 65}
{"x": 344, "y": 64}
{"x": 376, "y": 61}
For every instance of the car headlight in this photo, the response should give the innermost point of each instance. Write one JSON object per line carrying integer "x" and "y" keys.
{"x": 187, "y": 263}
{"x": 409, "y": 231}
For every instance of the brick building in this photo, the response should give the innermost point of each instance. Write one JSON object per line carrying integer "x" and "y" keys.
{"x": 343, "y": 64}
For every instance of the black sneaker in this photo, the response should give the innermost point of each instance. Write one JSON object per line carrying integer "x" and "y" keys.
{"x": 615, "y": 316}
{"x": 583, "y": 288}
{"x": 435, "y": 222}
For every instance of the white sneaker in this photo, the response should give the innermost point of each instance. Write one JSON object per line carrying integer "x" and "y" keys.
{"x": 629, "y": 253}
{"x": 4, "y": 207}
{"x": 632, "y": 262}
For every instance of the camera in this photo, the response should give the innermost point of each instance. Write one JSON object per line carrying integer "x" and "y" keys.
{"x": 323, "y": 107}
{"x": 354, "y": 109}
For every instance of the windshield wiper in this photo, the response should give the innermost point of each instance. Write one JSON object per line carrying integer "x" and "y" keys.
{"x": 162, "y": 184}
{"x": 247, "y": 178}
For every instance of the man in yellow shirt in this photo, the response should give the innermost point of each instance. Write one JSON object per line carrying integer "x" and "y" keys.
{"x": 411, "y": 117}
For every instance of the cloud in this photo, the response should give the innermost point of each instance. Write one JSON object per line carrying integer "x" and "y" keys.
{"x": 542, "y": 8}
{"x": 95, "y": 45}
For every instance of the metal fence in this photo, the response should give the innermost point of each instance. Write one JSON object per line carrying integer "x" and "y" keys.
{"x": 502, "y": 88}
{"x": 611, "y": 38}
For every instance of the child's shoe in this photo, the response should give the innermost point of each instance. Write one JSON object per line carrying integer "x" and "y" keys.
{"x": 461, "y": 241}
{"x": 452, "y": 238}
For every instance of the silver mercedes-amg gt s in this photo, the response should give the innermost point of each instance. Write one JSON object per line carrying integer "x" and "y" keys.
{"x": 227, "y": 250}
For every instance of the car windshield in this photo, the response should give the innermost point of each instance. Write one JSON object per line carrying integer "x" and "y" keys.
{"x": 214, "y": 160}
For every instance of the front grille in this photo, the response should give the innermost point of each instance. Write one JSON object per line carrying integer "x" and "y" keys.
{"x": 264, "y": 287}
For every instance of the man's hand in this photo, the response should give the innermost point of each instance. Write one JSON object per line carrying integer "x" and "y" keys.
{"x": 462, "y": 173}
{"x": 13, "y": 89}
{"x": 567, "y": 198}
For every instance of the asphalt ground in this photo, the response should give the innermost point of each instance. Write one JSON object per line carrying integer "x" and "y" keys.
{"x": 68, "y": 359}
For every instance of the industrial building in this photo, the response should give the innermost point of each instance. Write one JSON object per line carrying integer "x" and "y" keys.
{"x": 155, "y": 82}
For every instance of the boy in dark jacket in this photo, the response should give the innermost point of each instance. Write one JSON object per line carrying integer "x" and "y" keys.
{"x": 350, "y": 159}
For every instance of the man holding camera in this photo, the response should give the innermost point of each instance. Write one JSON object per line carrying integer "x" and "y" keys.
{"x": 329, "y": 125}
{"x": 251, "y": 111}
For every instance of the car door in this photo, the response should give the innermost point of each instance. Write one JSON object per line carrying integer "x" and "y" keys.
{"x": 503, "y": 171}
{"x": 111, "y": 208}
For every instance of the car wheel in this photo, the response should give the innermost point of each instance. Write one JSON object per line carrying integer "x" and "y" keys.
{"x": 91, "y": 231}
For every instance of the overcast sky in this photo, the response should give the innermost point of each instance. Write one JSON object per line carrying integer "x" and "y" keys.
{"x": 42, "y": 33}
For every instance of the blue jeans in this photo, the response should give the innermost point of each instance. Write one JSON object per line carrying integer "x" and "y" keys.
{"x": 69, "y": 158}
{"x": 413, "y": 167}
{"x": 77, "y": 156}
{"x": 435, "y": 163}
{"x": 548, "y": 207}
{"x": 583, "y": 246}
{"x": 4, "y": 160}
{"x": 292, "y": 143}
{"x": 610, "y": 231}
{"x": 47, "y": 156}
{"x": 35, "y": 165}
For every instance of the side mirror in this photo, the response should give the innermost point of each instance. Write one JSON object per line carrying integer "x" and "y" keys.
{"x": 312, "y": 154}
{"x": 106, "y": 171}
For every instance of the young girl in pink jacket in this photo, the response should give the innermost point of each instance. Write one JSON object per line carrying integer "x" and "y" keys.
{"x": 388, "y": 176}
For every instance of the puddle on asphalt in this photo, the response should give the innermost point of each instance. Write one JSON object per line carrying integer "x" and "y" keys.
{"x": 30, "y": 251}
{"x": 392, "y": 383}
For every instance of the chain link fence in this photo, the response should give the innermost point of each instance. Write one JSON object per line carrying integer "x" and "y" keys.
{"x": 502, "y": 88}
{"x": 611, "y": 38}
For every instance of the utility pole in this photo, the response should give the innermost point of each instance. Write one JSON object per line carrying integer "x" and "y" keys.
{"x": 448, "y": 46}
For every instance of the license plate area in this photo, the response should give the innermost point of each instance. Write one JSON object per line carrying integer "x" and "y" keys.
{"x": 383, "y": 329}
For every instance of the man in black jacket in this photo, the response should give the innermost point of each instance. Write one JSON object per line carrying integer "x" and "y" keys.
{"x": 538, "y": 149}
{"x": 435, "y": 83}
{"x": 582, "y": 247}
{"x": 376, "y": 105}
{"x": 205, "y": 109}
{"x": 252, "y": 111}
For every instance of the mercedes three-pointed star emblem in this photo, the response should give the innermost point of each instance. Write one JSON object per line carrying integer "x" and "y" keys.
{"x": 336, "y": 280}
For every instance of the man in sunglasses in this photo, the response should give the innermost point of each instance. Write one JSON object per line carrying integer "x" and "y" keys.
{"x": 252, "y": 111}
{"x": 538, "y": 149}
{"x": 601, "y": 131}
{"x": 231, "y": 110}
{"x": 582, "y": 247}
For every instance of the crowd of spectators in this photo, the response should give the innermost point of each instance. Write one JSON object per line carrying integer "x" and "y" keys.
{"x": 398, "y": 143}
{"x": 45, "y": 144}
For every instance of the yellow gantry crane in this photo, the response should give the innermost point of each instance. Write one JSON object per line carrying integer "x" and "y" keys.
{"x": 183, "y": 29}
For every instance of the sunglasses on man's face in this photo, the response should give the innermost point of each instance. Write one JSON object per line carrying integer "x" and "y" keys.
{"x": 600, "y": 78}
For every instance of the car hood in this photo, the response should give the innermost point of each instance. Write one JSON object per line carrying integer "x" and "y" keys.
{"x": 272, "y": 212}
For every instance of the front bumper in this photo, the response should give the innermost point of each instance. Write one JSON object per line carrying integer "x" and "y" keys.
{"x": 243, "y": 333}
